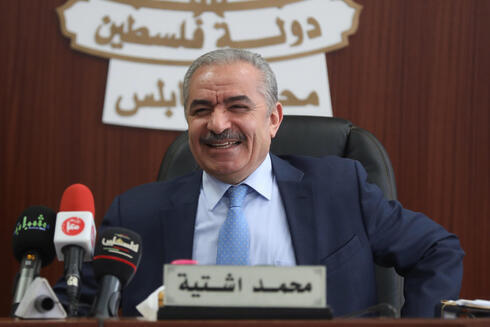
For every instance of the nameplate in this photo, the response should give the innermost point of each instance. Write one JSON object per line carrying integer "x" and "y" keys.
{"x": 245, "y": 286}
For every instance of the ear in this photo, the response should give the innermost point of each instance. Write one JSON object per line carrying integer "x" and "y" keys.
{"x": 275, "y": 119}
{"x": 186, "y": 115}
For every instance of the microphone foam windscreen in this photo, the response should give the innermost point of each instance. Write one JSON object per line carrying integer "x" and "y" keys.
{"x": 117, "y": 253}
{"x": 34, "y": 231}
{"x": 77, "y": 197}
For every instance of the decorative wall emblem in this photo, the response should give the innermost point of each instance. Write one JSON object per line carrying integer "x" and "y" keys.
{"x": 150, "y": 43}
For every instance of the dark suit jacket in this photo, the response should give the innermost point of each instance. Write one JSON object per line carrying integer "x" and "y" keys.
{"x": 335, "y": 219}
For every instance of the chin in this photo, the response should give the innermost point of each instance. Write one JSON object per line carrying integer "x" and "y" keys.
{"x": 225, "y": 171}
{"x": 228, "y": 174}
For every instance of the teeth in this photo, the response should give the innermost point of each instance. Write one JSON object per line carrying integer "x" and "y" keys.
{"x": 223, "y": 145}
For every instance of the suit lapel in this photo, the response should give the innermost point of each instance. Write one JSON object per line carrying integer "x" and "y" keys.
{"x": 297, "y": 197}
{"x": 179, "y": 218}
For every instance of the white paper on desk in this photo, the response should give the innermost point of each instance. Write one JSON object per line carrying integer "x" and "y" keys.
{"x": 481, "y": 304}
{"x": 149, "y": 307}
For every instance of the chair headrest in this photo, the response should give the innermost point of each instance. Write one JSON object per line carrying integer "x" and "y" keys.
{"x": 312, "y": 136}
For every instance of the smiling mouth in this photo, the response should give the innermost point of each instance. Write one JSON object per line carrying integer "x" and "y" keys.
{"x": 223, "y": 145}
{"x": 224, "y": 140}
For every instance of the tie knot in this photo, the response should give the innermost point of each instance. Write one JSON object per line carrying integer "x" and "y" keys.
{"x": 237, "y": 194}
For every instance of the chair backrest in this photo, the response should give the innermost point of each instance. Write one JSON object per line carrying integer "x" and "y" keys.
{"x": 318, "y": 136}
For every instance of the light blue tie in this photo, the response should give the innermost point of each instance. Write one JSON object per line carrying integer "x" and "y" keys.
{"x": 234, "y": 236}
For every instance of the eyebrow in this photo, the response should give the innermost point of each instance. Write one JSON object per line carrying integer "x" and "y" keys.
{"x": 200, "y": 102}
{"x": 203, "y": 102}
{"x": 238, "y": 98}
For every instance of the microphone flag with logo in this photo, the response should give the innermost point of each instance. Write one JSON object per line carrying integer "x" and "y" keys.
{"x": 33, "y": 247}
{"x": 116, "y": 259}
{"x": 74, "y": 237}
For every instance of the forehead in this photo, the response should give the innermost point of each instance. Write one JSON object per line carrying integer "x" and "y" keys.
{"x": 231, "y": 77}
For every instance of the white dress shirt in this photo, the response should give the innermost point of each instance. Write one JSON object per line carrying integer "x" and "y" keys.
{"x": 270, "y": 240}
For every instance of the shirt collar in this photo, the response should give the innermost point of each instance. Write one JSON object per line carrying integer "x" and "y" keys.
{"x": 260, "y": 180}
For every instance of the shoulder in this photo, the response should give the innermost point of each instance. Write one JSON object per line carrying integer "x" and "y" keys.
{"x": 142, "y": 202}
{"x": 330, "y": 171}
{"x": 160, "y": 191}
{"x": 327, "y": 165}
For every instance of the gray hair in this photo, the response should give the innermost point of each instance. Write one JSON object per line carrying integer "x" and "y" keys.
{"x": 229, "y": 56}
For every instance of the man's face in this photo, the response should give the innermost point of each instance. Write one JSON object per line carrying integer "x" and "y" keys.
{"x": 230, "y": 129}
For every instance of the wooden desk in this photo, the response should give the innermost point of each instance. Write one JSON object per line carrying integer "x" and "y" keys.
{"x": 304, "y": 323}
{"x": 127, "y": 322}
{"x": 78, "y": 322}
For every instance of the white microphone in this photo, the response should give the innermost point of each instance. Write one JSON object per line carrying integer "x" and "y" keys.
{"x": 74, "y": 237}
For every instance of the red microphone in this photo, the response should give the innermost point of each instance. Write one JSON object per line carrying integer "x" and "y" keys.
{"x": 77, "y": 197}
{"x": 74, "y": 237}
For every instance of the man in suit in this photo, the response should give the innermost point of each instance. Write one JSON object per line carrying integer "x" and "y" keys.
{"x": 298, "y": 210}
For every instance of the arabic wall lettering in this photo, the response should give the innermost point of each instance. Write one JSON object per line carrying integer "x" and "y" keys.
{"x": 154, "y": 31}
{"x": 149, "y": 100}
{"x": 117, "y": 34}
{"x": 151, "y": 42}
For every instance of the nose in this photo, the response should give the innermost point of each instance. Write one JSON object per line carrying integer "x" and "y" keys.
{"x": 218, "y": 120}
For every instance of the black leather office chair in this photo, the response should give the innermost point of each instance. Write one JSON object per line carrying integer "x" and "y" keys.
{"x": 318, "y": 136}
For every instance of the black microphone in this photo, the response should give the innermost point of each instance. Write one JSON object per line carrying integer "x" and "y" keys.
{"x": 33, "y": 247}
{"x": 116, "y": 258}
